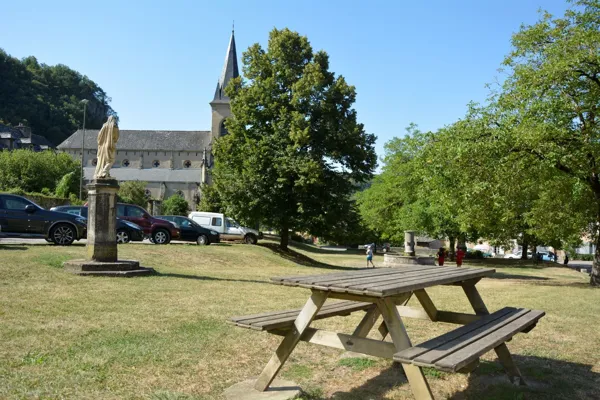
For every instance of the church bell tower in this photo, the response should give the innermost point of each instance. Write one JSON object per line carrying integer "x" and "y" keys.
{"x": 220, "y": 106}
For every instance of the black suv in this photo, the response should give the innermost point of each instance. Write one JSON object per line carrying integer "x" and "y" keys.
{"x": 126, "y": 231}
{"x": 23, "y": 218}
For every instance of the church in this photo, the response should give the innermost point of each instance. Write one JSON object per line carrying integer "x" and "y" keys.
{"x": 171, "y": 162}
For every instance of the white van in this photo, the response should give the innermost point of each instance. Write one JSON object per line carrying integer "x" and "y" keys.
{"x": 227, "y": 227}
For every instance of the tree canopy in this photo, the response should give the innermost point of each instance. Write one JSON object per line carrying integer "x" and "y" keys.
{"x": 48, "y": 98}
{"x": 295, "y": 150}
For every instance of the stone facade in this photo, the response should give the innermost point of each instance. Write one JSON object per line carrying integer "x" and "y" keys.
{"x": 170, "y": 162}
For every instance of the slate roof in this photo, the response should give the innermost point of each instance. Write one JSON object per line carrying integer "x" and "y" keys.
{"x": 19, "y": 138}
{"x": 141, "y": 140}
{"x": 150, "y": 174}
{"x": 230, "y": 70}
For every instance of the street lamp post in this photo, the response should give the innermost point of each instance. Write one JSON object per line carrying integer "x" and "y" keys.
{"x": 84, "y": 102}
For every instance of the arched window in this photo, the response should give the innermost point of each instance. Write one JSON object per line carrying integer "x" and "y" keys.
{"x": 187, "y": 164}
{"x": 156, "y": 163}
{"x": 95, "y": 162}
{"x": 125, "y": 163}
{"x": 223, "y": 129}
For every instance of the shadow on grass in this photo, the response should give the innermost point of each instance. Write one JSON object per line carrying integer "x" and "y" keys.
{"x": 12, "y": 247}
{"x": 503, "y": 275}
{"x": 206, "y": 278}
{"x": 301, "y": 259}
{"x": 318, "y": 250}
{"x": 546, "y": 379}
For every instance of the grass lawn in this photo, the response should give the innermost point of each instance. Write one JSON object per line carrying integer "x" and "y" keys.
{"x": 165, "y": 337}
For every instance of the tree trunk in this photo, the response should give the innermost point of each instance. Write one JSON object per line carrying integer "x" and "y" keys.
{"x": 595, "y": 276}
{"x": 525, "y": 247}
{"x": 285, "y": 235}
{"x": 452, "y": 249}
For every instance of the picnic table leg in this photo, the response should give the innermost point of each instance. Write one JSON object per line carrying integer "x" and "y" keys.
{"x": 501, "y": 351}
{"x": 366, "y": 324}
{"x": 289, "y": 342}
{"x": 416, "y": 379}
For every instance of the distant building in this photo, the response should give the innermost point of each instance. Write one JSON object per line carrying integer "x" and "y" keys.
{"x": 169, "y": 161}
{"x": 20, "y": 137}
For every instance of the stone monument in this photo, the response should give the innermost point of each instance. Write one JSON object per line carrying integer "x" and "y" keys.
{"x": 101, "y": 249}
{"x": 409, "y": 257}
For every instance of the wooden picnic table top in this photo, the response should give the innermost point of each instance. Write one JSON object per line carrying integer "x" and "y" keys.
{"x": 385, "y": 282}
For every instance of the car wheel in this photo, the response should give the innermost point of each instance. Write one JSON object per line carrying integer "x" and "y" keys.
{"x": 250, "y": 239}
{"x": 123, "y": 236}
{"x": 63, "y": 234}
{"x": 161, "y": 236}
{"x": 202, "y": 240}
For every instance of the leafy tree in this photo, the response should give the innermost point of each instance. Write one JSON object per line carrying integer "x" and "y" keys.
{"x": 549, "y": 104}
{"x": 69, "y": 184}
{"x": 48, "y": 98}
{"x": 210, "y": 201}
{"x": 133, "y": 192}
{"x": 295, "y": 150}
{"x": 33, "y": 171}
{"x": 175, "y": 205}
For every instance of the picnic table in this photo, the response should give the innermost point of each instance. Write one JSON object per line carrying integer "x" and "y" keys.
{"x": 385, "y": 293}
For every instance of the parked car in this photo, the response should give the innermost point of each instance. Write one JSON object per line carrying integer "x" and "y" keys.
{"x": 517, "y": 255}
{"x": 227, "y": 228}
{"x": 158, "y": 230}
{"x": 126, "y": 231}
{"x": 22, "y": 218}
{"x": 191, "y": 231}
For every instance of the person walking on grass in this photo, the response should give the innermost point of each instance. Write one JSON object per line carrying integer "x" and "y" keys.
{"x": 441, "y": 255}
{"x": 460, "y": 254}
{"x": 370, "y": 255}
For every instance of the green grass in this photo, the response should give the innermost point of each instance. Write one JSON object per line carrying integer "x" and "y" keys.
{"x": 165, "y": 337}
{"x": 357, "y": 363}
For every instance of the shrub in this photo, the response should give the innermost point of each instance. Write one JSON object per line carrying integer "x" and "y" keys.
{"x": 175, "y": 205}
{"x": 68, "y": 184}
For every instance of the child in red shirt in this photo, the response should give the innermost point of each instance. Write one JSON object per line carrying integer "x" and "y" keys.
{"x": 460, "y": 254}
{"x": 441, "y": 254}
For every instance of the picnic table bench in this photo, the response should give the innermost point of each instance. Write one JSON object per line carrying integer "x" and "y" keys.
{"x": 385, "y": 293}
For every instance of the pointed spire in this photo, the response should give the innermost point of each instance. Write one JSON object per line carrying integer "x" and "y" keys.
{"x": 230, "y": 70}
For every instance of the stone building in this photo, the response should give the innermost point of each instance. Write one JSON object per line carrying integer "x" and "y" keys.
{"x": 169, "y": 161}
{"x": 20, "y": 137}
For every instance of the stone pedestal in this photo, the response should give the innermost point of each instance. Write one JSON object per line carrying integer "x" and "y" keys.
{"x": 409, "y": 243}
{"x": 102, "y": 214}
{"x": 391, "y": 260}
{"x": 101, "y": 250}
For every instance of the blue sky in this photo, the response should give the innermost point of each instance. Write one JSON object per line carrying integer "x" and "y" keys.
{"x": 411, "y": 61}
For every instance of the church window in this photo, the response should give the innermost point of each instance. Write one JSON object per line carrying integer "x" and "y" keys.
{"x": 147, "y": 193}
{"x": 95, "y": 162}
{"x": 179, "y": 193}
{"x": 156, "y": 163}
{"x": 125, "y": 163}
{"x": 187, "y": 164}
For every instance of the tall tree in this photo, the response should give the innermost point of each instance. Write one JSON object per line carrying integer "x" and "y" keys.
{"x": 295, "y": 150}
{"x": 553, "y": 91}
{"x": 48, "y": 98}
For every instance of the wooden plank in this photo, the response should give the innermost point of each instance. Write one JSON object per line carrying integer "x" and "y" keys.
{"x": 267, "y": 322}
{"x": 409, "y": 354}
{"x": 371, "y": 347}
{"x": 432, "y": 276}
{"x": 359, "y": 297}
{"x": 451, "y": 346}
{"x": 422, "y": 285}
{"x": 416, "y": 378}
{"x": 362, "y": 284}
{"x": 360, "y": 272}
{"x": 427, "y": 304}
{"x": 395, "y": 273}
{"x": 291, "y": 312}
{"x": 465, "y": 355}
{"x": 289, "y": 342}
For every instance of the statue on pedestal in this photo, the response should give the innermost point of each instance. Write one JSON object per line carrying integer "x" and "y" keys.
{"x": 107, "y": 148}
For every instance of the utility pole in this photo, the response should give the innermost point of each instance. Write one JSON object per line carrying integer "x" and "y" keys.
{"x": 85, "y": 102}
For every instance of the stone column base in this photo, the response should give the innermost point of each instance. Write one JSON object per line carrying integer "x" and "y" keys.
{"x": 120, "y": 268}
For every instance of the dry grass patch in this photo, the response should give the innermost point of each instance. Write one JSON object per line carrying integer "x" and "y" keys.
{"x": 165, "y": 337}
